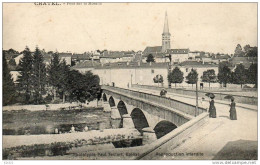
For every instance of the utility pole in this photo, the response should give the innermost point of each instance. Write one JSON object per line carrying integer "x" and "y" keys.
{"x": 169, "y": 71}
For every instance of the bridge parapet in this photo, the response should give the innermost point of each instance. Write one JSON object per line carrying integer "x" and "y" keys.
{"x": 168, "y": 102}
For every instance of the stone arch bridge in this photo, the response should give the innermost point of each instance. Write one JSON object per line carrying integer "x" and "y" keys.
{"x": 147, "y": 113}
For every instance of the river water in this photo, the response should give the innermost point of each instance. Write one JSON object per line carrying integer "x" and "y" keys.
{"x": 25, "y": 122}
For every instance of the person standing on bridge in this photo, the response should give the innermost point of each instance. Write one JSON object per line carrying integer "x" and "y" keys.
{"x": 212, "y": 108}
{"x": 232, "y": 111}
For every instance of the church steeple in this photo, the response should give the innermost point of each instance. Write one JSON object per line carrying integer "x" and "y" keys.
{"x": 166, "y": 36}
{"x": 166, "y": 27}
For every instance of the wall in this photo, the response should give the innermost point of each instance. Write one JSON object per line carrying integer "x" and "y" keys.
{"x": 173, "y": 139}
{"x": 122, "y": 76}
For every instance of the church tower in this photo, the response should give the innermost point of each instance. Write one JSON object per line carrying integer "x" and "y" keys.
{"x": 166, "y": 36}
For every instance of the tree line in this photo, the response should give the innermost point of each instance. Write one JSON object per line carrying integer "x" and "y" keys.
{"x": 39, "y": 83}
{"x": 248, "y": 51}
{"x": 240, "y": 75}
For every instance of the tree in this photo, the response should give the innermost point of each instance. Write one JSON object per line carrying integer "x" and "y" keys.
{"x": 175, "y": 76}
{"x": 158, "y": 79}
{"x": 192, "y": 77}
{"x": 252, "y": 74}
{"x": 240, "y": 75}
{"x": 209, "y": 76}
{"x": 83, "y": 87}
{"x": 252, "y": 52}
{"x": 38, "y": 76}
{"x": 25, "y": 78}
{"x": 54, "y": 74}
{"x": 12, "y": 51}
{"x": 224, "y": 74}
{"x": 64, "y": 74}
{"x": 8, "y": 84}
{"x": 150, "y": 58}
{"x": 12, "y": 62}
{"x": 246, "y": 48}
{"x": 238, "y": 50}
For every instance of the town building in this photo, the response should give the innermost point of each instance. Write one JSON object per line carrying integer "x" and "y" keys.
{"x": 246, "y": 61}
{"x": 78, "y": 58}
{"x": 66, "y": 57}
{"x": 117, "y": 56}
{"x": 178, "y": 55}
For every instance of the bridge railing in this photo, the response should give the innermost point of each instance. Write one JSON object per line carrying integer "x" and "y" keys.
{"x": 169, "y": 102}
{"x": 189, "y": 92}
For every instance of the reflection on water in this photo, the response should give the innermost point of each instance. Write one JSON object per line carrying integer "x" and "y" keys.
{"x": 45, "y": 122}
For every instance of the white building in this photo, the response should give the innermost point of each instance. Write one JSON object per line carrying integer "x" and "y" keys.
{"x": 178, "y": 55}
{"x": 66, "y": 57}
{"x": 123, "y": 74}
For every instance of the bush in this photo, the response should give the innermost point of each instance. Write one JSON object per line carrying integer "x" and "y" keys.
{"x": 59, "y": 148}
{"x": 9, "y": 131}
{"x": 48, "y": 99}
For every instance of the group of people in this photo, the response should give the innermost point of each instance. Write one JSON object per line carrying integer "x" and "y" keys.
{"x": 232, "y": 111}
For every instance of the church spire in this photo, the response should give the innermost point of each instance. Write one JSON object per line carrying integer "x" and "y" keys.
{"x": 166, "y": 36}
{"x": 166, "y": 27}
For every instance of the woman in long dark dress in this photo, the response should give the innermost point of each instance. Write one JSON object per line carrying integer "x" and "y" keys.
{"x": 233, "y": 112}
{"x": 212, "y": 108}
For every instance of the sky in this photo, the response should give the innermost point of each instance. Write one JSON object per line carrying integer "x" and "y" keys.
{"x": 211, "y": 27}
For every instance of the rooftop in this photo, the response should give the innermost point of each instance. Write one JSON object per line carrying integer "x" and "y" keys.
{"x": 197, "y": 64}
{"x": 152, "y": 49}
{"x": 65, "y": 54}
{"x": 81, "y": 56}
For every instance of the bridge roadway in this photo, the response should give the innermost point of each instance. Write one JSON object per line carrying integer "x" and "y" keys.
{"x": 214, "y": 135}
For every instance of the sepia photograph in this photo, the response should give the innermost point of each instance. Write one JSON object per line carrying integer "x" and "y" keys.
{"x": 130, "y": 81}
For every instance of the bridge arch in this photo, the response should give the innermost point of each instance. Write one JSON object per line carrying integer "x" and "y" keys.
{"x": 163, "y": 127}
{"x": 104, "y": 97}
{"x": 139, "y": 119}
{"x": 122, "y": 108}
{"x": 111, "y": 101}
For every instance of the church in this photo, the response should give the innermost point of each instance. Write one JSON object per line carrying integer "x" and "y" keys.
{"x": 164, "y": 53}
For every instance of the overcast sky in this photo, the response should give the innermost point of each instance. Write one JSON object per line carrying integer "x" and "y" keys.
{"x": 213, "y": 27}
